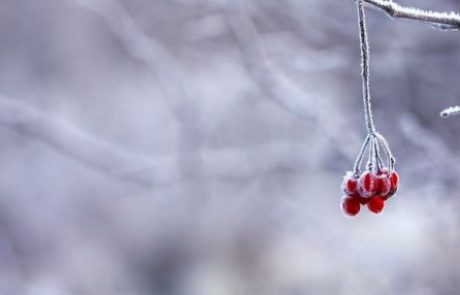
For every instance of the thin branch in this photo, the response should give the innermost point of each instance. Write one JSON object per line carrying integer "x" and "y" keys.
{"x": 359, "y": 159}
{"x": 441, "y": 20}
{"x": 365, "y": 68}
{"x": 452, "y": 111}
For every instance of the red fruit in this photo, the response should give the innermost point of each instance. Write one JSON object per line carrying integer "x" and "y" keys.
{"x": 384, "y": 184}
{"x": 394, "y": 179}
{"x": 376, "y": 204}
{"x": 394, "y": 176}
{"x": 350, "y": 205}
{"x": 357, "y": 196}
{"x": 368, "y": 184}
{"x": 350, "y": 184}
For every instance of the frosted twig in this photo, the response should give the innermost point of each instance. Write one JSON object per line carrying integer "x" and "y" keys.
{"x": 365, "y": 68}
{"x": 440, "y": 20}
{"x": 386, "y": 148}
{"x": 379, "y": 160}
{"x": 452, "y": 111}
{"x": 359, "y": 159}
{"x": 372, "y": 156}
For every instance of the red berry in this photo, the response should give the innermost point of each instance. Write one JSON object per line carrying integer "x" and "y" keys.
{"x": 376, "y": 204}
{"x": 394, "y": 176}
{"x": 394, "y": 179}
{"x": 384, "y": 184}
{"x": 350, "y": 205}
{"x": 357, "y": 196}
{"x": 368, "y": 184}
{"x": 350, "y": 184}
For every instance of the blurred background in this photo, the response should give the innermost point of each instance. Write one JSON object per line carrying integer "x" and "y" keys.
{"x": 197, "y": 147}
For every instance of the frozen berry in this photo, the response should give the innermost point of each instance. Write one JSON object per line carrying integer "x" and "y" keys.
{"x": 384, "y": 184}
{"x": 361, "y": 199}
{"x": 394, "y": 176}
{"x": 368, "y": 184}
{"x": 376, "y": 204}
{"x": 394, "y": 181}
{"x": 350, "y": 184}
{"x": 350, "y": 205}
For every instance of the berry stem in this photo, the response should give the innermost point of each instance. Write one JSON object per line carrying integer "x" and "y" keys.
{"x": 387, "y": 150}
{"x": 360, "y": 157}
{"x": 371, "y": 161}
{"x": 378, "y": 160}
{"x": 365, "y": 68}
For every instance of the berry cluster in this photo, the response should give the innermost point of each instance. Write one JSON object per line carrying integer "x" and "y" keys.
{"x": 375, "y": 185}
{"x": 371, "y": 189}
{"x": 378, "y": 183}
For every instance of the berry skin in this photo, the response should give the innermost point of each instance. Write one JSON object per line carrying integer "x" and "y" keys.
{"x": 376, "y": 204}
{"x": 394, "y": 177}
{"x": 394, "y": 181}
{"x": 368, "y": 184}
{"x": 384, "y": 184}
{"x": 361, "y": 199}
{"x": 350, "y": 206}
{"x": 350, "y": 184}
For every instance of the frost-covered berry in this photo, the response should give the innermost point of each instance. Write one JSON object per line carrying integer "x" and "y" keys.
{"x": 384, "y": 184}
{"x": 350, "y": 205}
{"x": 368, "y": 184}
{"x": 376, "y": 204}
{"x": 358, "y": 196}
{"x": 350, "y": 184}
{"x": 394, "y": 177}
{"x": 394, "y": 181}
{"x": 376, "y": 184}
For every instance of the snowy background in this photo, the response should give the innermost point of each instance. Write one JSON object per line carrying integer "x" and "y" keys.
{"x": 196, "y": 147}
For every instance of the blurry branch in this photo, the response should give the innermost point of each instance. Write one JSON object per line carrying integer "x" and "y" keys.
{"x": 84, "y": 147}
{"x": 142, "y": 47}
{"x": 144, "y": 171}
{"x": 179, "y": 97}
{"x": 435, "y": 155}
{"x": 441, "y": 20}
{"x": 278, "y": 88}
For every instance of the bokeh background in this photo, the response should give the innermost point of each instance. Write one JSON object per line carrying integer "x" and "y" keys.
{"x": 196, "y": 147}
